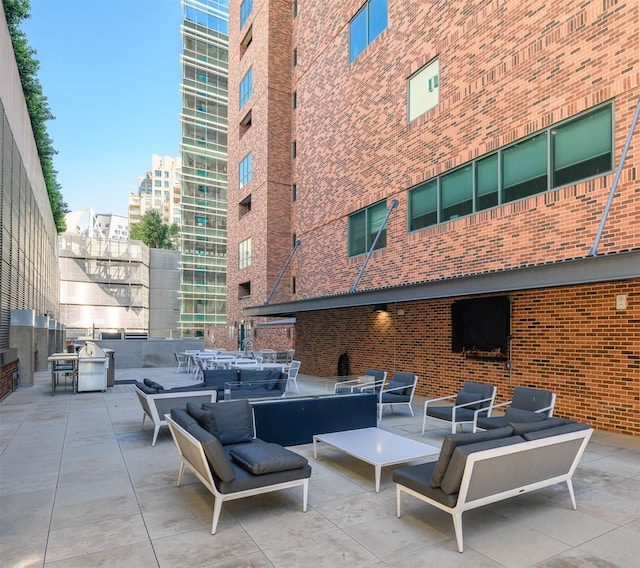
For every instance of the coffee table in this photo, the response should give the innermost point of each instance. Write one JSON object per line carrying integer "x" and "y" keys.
{"x": 376, "y": 447}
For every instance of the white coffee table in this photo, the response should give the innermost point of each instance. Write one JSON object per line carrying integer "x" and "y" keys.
{"x": 376, "y": 447}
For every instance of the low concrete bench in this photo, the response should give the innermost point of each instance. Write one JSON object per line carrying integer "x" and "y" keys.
{"x": 477, "y": 469}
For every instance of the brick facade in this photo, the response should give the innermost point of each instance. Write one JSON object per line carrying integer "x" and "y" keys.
{"x": 508, "y": 69}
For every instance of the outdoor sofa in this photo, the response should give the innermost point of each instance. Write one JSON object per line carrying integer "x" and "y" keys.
{"x": 217, "y": 442}
{"x": 476, "y": 469}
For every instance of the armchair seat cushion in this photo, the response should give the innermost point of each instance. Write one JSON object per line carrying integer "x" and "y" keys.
{"x": 417, "y": 477}
{"x": 392, "y": 397}
{"x": 263, "y": 457}
{"x": 446, "y": 412}
{"x": 245, "y": 480}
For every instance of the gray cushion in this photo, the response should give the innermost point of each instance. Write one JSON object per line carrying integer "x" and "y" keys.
{"x": 565, "y": 428}
{"x": 233, "y": 420}
{"x": 145, "y": 388}
{"x": 274, "y": 377}
{"x": 255, "y": 375}
{"x": 217, "y": 378}
{"x": 266, "y": 458}
{"x": 153, "y": 384}
{"x": 182, "y": 418}
{"x": 465, "y": 397}
{"x": 452, "y": 441}
{"x": 453, "y": 477}
{"x": 216, "y": 456}
{"x": 396, "y": 385}
{"x": 524, "y": 427}
{"x": 517, "y": 415}
{"x": 417, "y": 477}
{"x": 203, "y": 417}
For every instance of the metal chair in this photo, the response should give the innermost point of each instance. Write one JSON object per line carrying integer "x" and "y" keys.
{"x": 399, "y": 390}
{"x": 292, "y": 375}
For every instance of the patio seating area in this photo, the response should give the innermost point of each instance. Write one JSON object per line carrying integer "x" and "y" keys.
{"x": 81, "y": 485}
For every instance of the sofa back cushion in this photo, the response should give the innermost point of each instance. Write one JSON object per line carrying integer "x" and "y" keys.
{"x": 203, "y": 417}
{"x": 255, "y": 375}
{"x": 452, "y": 441}
{"x": 453, "y": 477}
{"x": 153, "y": 385}
{"x": 565, "y": 428}
{"x": 182, "y": 418}
{"x": 517, "y": 415}
{"x": 521, "y": 428}
{"x": 232, "y": 421}
{"x": 531, "y": 399}
{"x": 277, "y": 380}
{"x": 216, "y": 378}
{"x": 216, "y": 456}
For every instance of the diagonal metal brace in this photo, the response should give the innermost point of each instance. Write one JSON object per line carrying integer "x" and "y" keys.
{"x": 393, "y": 205}
{"x": 293, "y": 250}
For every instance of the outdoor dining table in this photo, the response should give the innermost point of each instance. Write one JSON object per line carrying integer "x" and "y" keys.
{"x": 61, "y": 362}
{"x": 259, "y": 366}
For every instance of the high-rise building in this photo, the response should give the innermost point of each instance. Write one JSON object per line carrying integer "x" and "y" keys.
{"x": 426, "y": 153}
{"x": 159, "y": 190}
{"x": 203, "y": 150}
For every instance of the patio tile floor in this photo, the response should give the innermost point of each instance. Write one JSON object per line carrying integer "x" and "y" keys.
{"x": 81, "y": 485}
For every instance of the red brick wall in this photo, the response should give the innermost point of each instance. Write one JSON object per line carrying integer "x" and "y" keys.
{"x": 6, "y": 378}
{"x": 570, "y": 340}
{"x": 269, "y": 139}
{"x": 507, "y": 70}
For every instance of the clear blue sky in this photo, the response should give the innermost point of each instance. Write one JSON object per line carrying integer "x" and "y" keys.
{"x": 110, "y": 70}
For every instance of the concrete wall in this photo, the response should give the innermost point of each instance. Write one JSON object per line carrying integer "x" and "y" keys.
{"x": 133, "y": 353}
{"x": 164, "y": 288}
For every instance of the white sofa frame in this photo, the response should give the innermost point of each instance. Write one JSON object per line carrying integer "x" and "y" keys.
{"x": 155, "y": 406}
{"x": 192, "y": 454}
{"x": 501, "y": 473}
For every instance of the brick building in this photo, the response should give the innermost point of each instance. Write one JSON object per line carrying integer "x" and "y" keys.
{"x": 472, "y": 147}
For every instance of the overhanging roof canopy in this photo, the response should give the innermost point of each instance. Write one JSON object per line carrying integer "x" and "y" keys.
{"x": 588, "y": 270}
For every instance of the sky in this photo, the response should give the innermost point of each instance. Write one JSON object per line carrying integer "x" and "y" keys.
{"x": 110, "y": 70}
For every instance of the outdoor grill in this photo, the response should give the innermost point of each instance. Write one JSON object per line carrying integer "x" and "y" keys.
{"x": 92, "y": 368}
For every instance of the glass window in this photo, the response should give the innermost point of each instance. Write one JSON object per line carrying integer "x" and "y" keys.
{"x": 157, "y": 183}
{"x": 245, "y": 11}
{"x": 423, "y": 90}
{"x": 456, "y": 193}
{"x": 364, "y": 226}
{"x": 582, "y": 148}
{"x": 366, "y": 25}
{"x": 423, "y": 205}
{"x": 244, "y": 253}
{"x": 158, "y": 173}
{"x": 245, "y": 172}
{"x": 487, "y": 182}
{"x": 246, "y": 87}
{"x": 524, "y": 168}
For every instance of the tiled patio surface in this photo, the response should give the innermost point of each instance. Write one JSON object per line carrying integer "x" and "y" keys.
{"x": 81, "y": 486}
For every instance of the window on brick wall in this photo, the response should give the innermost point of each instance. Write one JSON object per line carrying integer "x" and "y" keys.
{"x": 366, "y": 25}
{"x": 245, "y": 206}
{"x": 364, "y": 226}
{"x": 571, "y": 151}
{"x": 246, "y": 87}
{"x": 244, "y": 253}
{"x": 294, "y": 192}
{"x": 245, "y": 171}
{"x": 246, "y": 41}
{"x": 244, "y": 290}
{"x": 246, "y": 7}
{"x": 423, "y": 91}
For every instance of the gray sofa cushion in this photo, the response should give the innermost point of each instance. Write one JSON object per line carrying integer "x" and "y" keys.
{"x": 255, "y": 375}
{"x": 233, "y": 420}
{"x": 216, "y": 456}
{"x": 417, "y": 477}
{"x": 453, "y": 477}
{"x": 452, "y": 441}
{"x": 204, "y": 417}
{"x": 465, "y": 397}
{"x": 246, "y": 480}
{"x": 275, "y": 376}
{"x": 566, "y": 428}
{"x": 524, "y": 427}
{"x": 517, "y": 415}
{"x": 216, "y": 378}
{"x": 145, "y": 388}
{"x": 182, "y": 418}
{"x": 153, "y": 385}
{"x": 266, "y": 458}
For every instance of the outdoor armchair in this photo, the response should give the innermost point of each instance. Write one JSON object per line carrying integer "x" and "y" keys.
{"x": 399, "y": 390}
{"x": 475, "y": 399}
{"x": 527, "y": 405}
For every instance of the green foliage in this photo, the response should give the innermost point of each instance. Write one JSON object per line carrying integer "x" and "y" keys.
{"x": 16, "y": 11}
{"x": 153, "y": 231}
